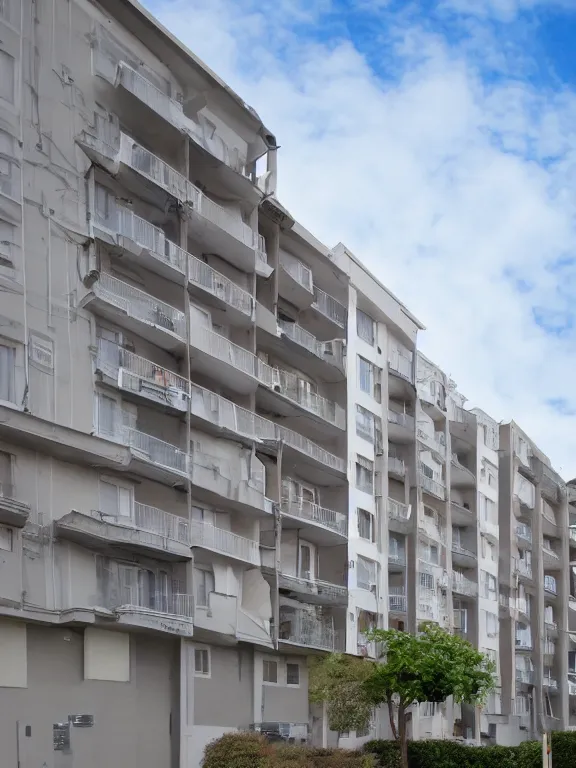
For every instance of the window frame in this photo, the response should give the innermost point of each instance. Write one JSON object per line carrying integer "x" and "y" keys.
{"x": 266, "y": 662}
{"x": 371, "y": 519}
{"x": 207, "y": 650}
{"x": 364, "y": 316}
{"x": 297, "y": 666}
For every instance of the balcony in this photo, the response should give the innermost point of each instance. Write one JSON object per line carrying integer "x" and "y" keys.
{"x": 463, "y": 586}
{"x": 295, "y": 281}
{"x": 571, "y": 686}
{"x": 137, "y": 311}
{"x": 462, "y": 515}
{"x": 238, "y": 304}
{"x": 431, "y": 486}
{"x": 170, "y": 612}
{"x": 12, "y": 511}
{"x": 428, "y": 608}
{"x": 314, "y": 591}
{"x": 433, "y": 528}
{"x": 550, "y": 683}
{"x": 523, "y": 640}
{"x": 397, "y": 600}
{"x": 525, "y": 677}
{"x": 305, "y": 447}
{"x": 398, "y": 515}
{"x": 222, "y": 360}
{"x": 224, "y": 542}
{"x": 523, "y": 568}
{"x": 461, "y": 476}
{"x": 432, "y": 443}
{"x": 329, "y": 353}
{"x": 327, "y": 306}
{"x": 523, "y": 606}
{"x": 396, "y": 467}
{"x": 550, "y": 558}
{"x": 401, "y": 426}
{"x": 327, "y": 520}
{"x": 288, "y": 394}
{"x": 524, "y": 533}
{"x": 147, "y": 531}
{"x": 301, "y": 628}
{"x": 549, "y": 650}
{"x": 550, "y": 585}
{"x": 463, "y": 556}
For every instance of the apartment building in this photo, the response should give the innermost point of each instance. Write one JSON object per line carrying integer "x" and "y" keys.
{"x": 535, "y": 588}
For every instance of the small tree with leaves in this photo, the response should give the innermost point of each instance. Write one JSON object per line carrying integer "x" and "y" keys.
{"x": 428, "y": 667}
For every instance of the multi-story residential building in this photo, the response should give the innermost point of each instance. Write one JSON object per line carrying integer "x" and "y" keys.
{"x": 534, "y": 590}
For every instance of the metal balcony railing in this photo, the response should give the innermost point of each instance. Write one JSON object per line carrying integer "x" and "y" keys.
{"x": 549, "y": 648}
{"x": 303, "y": 337}
{"x": 170, "y": 603}
{"x": 162, "y": 523}
{"x": 433, "y": 443}
{"x": 573, "y": 534}
{"x": 296, "y": 389}
{"x": 220, "y": 286}
{"x": 524, "y": 676}
{"x": 306, "y": 446}
{"x": 401, "y": 365}
{"x": 326, "y": 589}
{"x": 550, "y": 584}
{"x": 147, "y": 92}
{"x": 134, "y": 370}
{"x": 301, "y": 628}
{"x": 524, "y": 568}
{"x": 402, "y": 419}
{"x": 329, "y": 307}
{"x": 550, "y": 683}
{"x": 397, "y": 600}
{"x": 305, "y": 510}
{"x": 397, "y": 510}
{"x": 463, "y": 586}
{"x": 297, "y": 270}
{"x": 523, "y": 605}
{"x": 221, "y": 348}
{"x": 140, "y": 305}
{"x": 154, "y": 450}
{"x": 523, "y": 640}
{"x": 147, "y": 236}
{"x": 398, "y": 556}
{"x": 571, "y": 687}
{"x": 432, "y": 486}
{"x": 224, "y": 542}
{"x": 457, "y": 549}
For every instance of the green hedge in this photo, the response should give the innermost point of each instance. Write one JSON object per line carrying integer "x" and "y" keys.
{"x": 250, "y": 750}
{"x": 451, "y": 754}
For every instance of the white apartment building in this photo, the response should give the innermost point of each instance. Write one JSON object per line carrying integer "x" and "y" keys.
{"x": 220, "y": 452}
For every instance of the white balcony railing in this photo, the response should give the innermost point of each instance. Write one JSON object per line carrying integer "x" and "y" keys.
{"x": 314, "y": 451}
{"x": 162, "y": 523}
{"x": 297, "y": 390}
{"x": 573, "y": 534}
{"x": 155, "y": 451}
{"x": 523, "y": 568}
{"x": 147, "y": 92}
{"x": 303, "y": 337}
{"x": 224, "y": 542}
{"x": 145, "y": 235}
{"x": 331, "y": 592}
{"x": 401, "y": 365}
{"x": 524, "y": 676}
{"x": 571, "y": 687}
{"x": 550, "y": 584}
{"x": 524, "y": 532}
{"x": 432, "y": 486}
{"x": 550, "y": 683}
{"x": 220, "y": 286}
{"x": 219, "y": 347}
{"x": 463, "y": 586}
{"x": 396, "y": 466}
{"x": 457, "y": 549}
{"x": 297, "y": 270}
{"x": 433, "y": 443}
{"x": 329, "y": 307}
{"x": 305, "y": 510}
{"x": 428, "y": 607}
{"x": 140, "y": 305}
{"x": 397, "y": 510}
{"x": 523, "y": 605}
{"x": 401, "y": 419}
{"x": 523, "y": 639}
{"x": 135, "y": 371}
{"x": 301, "y": 628}
{"x": 549, "y": 648}
{"x": 397, "y": 600}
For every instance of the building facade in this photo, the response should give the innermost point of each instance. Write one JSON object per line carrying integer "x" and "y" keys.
{"x": 220, "y": 450}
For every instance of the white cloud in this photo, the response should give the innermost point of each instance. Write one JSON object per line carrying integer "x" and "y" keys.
{"x": 502, "y": 10}
{"x": 449, "y": 188}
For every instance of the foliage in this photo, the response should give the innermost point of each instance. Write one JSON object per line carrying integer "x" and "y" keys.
{"x": 430, "y": 666}
{"x": 250, "y": 750}
{"x": 338, "y": 680}
{"x": 451, "y": 754}
{"x": 564, "y": 749}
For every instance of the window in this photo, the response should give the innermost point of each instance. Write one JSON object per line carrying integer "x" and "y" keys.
{"x": 489, "y": 585}
{"x": 364, "y": 423}
{"x": 426, "y": 581}
{"x": 7, "y": 369}
{"x": 292, "y": 674}
{"x": 365, "y": 327}
{"x": 42, "y": 352}
{"x": 429, "y": 553}
{"x": 365, "y": 525}
{"x": 7, "y": 70}
{"x": 427, "y": 471}
{"x": 488, "y": 550}
{"x": 491, "y": 624}
{"x": 6, "y": 245}
{"x": 204, "y": 586}
{"x": 307, "y": 561}
{"x": 364, "y": 474}
{"x": 270, "y": 672}
{"x": 365, "y": 574}
{"x": 5, "y": 538}
{"x": 202, "y": 662}
{"x": 488, "y": 510}
{"x": 396, "y": 549}
{"x": 6, "y": 475}
{"x": 115, "y": 499}
{"x": 365, "y": 375}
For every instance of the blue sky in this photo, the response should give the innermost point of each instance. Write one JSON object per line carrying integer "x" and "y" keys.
{"x": 437, "y": 140}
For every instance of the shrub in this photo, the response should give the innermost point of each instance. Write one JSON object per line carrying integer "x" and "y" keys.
{"x": 237, "y": 750}
{"x": 563, "y": 749}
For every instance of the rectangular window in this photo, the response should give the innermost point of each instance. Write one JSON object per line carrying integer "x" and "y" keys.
{"x": 7, "y": 371}
{"x": 427, "y": 471}
{"x": 365, "y": 574}
{"x": 270, "y": 672}
{"x": 6, "y": 475}
{"x": 202, "y": 662}
{"x": 491, "y": 624}
{"x": 364, "y": 474}
{"x": 116, "y": 500}
{"x": 5, "y": 538}
{"x": 364, "y": 423}
{"x": 365, "y": 327}
{"x": 426, "y": 581}
{"x": 365, "y": 376}
{"x": 7, "y": 72}
{"x": 292, "y": 674}
{"x": 204, "y": 580}
{"x": 365, "y": 525}
{"x": 489, "y": 585}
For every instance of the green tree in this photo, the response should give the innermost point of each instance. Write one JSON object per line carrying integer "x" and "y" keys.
{"x": 427, "y": 667}
{"x": 338, "y": 682}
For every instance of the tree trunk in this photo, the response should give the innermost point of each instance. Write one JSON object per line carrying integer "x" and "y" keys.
{"x": 402, "y": 735}
{"x": 391, "y": 716}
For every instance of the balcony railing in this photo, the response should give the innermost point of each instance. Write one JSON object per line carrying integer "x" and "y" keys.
{"x": 301, "y": 628}
{"x": 523, "y": 605}
{"x": 397, "y": 510}
{"x": 571, "y": 686}
{"x": 396, "y": 466}
{"x": 220, "y": 286}
{"x": 432, "y": 443}
{"x": 428, "y": 604}
{"x": 463, "y": 586}
{"x": 550, "y": 584}
{"x": 524, "y": 568}
{"x": 147, "y": 92}
{"x": 326, "y": 589}
{"x": 524, "y": 676}
{"x": 136, "y": 371}
{"x": 550, "y": 683}
{"x": 401, "y": 419}
{"x": 297, "y": 270}
{"x": 224, "y": 542}
{"x": 432, "y": 528}
{"x": 524, "y": 532}
{"x": 549, "y": 648}
{"x": 171, "y": 604}
{"x": 145, "y": 235}
{"x": 305, "y": 510}
{"x": 573, "y": 534}
{"x": 397, "y": 600}
{"x": 523, "y": 640}
{"x": 155, "y": 451}
{"x": 140, "y": 305}
{"x": 296, "y": 389}
{"x": 457, "y": 549}
{"x": 301, "y": 336}
{"x": 432, "y": 486}
{"x": 162, "y": 523}
{"x": 306, "y": 446}
{"x": 329, "y": 307}
{"x": 401, "y": 365}
{"x": 221, "y": 348}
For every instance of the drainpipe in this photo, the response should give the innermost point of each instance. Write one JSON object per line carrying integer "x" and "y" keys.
{"x": 278, "y": 541}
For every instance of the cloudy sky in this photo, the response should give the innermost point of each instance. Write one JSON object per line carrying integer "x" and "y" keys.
{"x": 436, "y": 139}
